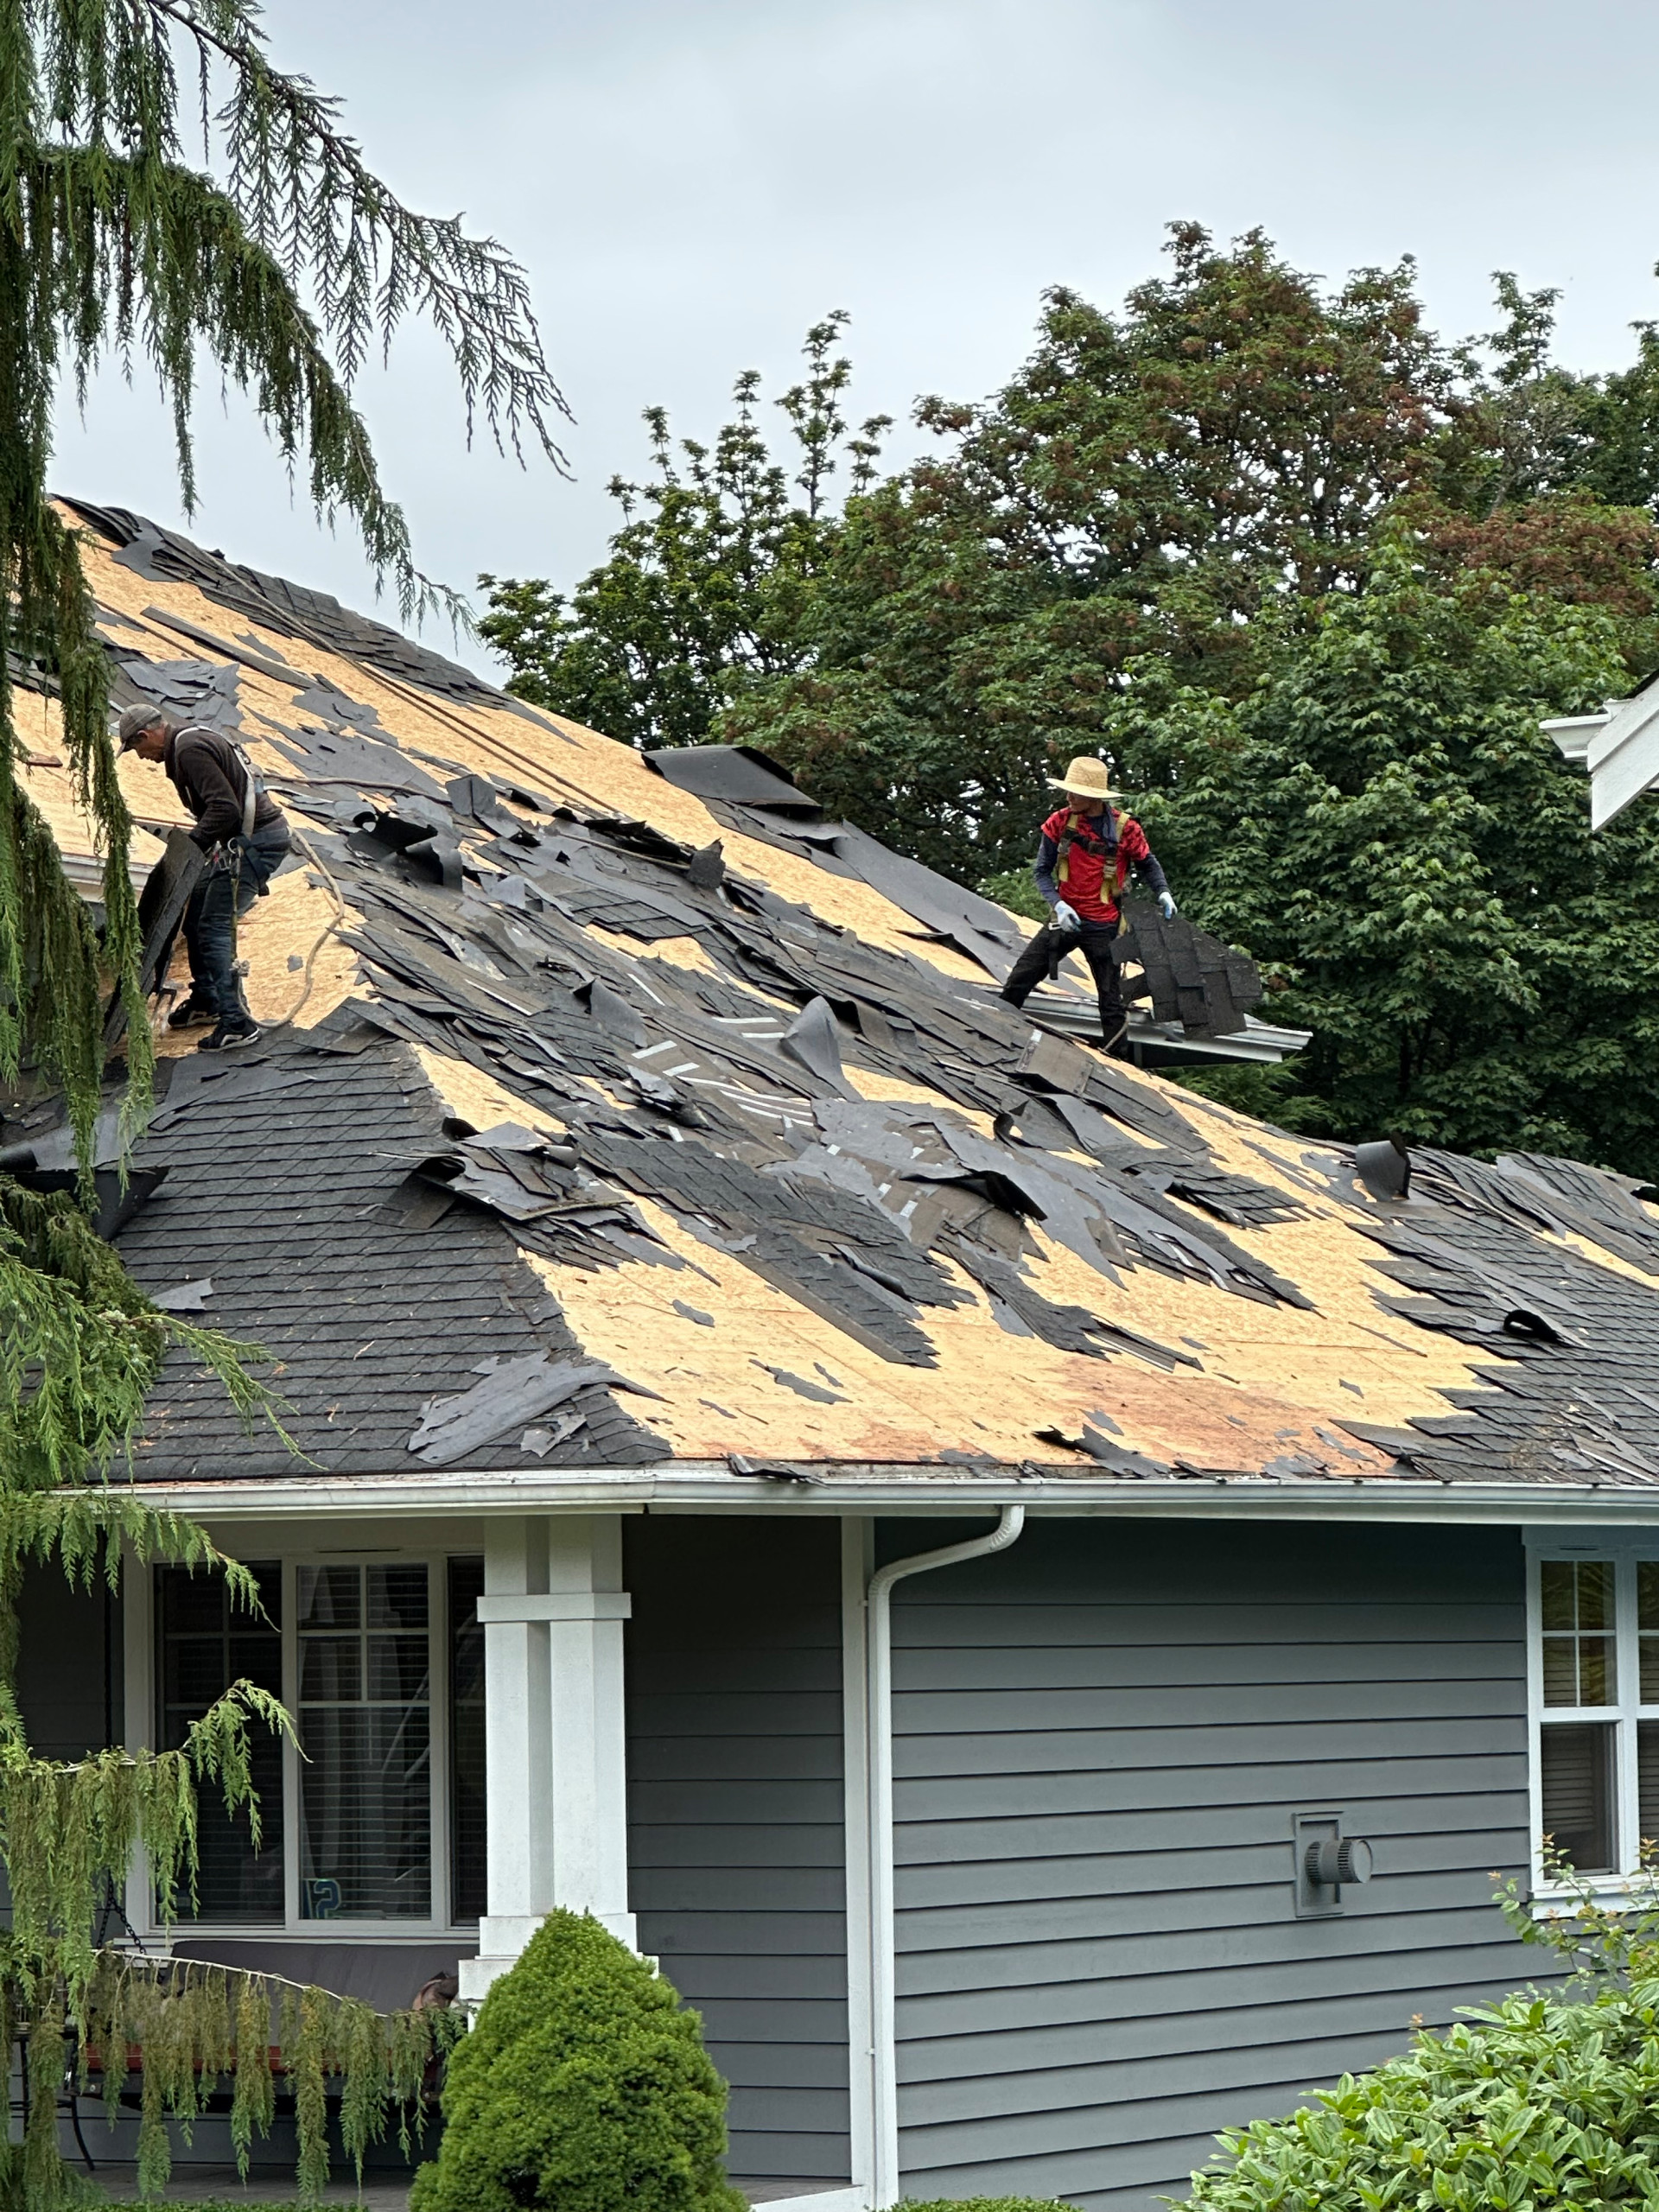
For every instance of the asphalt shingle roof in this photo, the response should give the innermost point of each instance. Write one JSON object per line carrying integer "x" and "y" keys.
{"x": 610, "y": 1111}
{"x": 283, "y": 1183}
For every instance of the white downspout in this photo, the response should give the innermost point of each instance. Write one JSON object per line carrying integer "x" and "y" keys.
{"x": 878, "y": 1644}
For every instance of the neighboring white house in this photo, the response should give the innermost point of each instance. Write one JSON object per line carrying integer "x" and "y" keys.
{"x": 1619, "y": 746}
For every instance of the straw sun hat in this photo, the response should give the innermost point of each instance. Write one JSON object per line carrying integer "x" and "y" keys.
{"x": 1086, "y": 777}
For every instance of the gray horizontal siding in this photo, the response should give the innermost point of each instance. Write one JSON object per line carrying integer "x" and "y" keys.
{"x": 737, "y": 1859}
{"x": 1100, "y": 1740}
{"x": 1057, "y": 2048}
{"x": 1290, "y": 1782}
{"x": 966, "y": 1844}
{"x": 739, "y": 1802}
{"x": 1124, "y": 1873}
{"x": 1154, "y": 1989}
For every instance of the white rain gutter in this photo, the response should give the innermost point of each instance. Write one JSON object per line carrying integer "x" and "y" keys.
{"x": 878, "y": 1650}
{"x": 880, "y": 1488}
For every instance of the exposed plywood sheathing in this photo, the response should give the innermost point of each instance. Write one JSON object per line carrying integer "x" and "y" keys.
{"x": 778, "y": 1167}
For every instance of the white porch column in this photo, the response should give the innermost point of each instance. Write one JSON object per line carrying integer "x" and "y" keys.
{"x": 587, "y": 1606}
{"x": 518, "y": 1748}
{"x": 555, "y": 1769}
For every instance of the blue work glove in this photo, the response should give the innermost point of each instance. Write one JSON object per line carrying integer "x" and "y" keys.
{"x": 1066, "y": 917}
{"x": 1166, "y": 905}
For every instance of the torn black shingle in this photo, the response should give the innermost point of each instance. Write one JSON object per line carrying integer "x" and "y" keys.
{"x": 280, "y": 1173}
{"x": 378, "y": 1253}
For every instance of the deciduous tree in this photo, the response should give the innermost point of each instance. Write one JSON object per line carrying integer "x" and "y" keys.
{"x": 1381, "y": 823}
{"x": 707, "y": 585}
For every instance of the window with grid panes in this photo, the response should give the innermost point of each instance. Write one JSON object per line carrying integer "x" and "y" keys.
{"x": 203, "y": 1645}
{"x": 365, "y": 1727}
{"x": 1597, "y": 1626}
{"x": 354, "y": 1822}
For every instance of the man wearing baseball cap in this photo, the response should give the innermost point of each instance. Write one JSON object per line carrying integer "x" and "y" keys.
{"x": 246, "y": 837}
{"x": 1084, "y": 857}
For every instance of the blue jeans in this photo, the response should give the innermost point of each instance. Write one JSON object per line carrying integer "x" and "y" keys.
{"x": 237, "y": 874}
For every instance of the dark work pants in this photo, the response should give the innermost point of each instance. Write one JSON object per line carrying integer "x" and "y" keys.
{"x": 235, "y": 876}
{"x": 1095, "y": 945}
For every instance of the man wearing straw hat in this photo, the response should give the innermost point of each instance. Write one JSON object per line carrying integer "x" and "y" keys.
{"x": 1083, "y": 858}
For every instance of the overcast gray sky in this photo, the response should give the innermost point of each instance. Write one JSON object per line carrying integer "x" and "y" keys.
{"x": 690, "y": 182}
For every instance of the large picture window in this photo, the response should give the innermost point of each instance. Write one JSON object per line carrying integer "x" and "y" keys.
{"x": 365, "y": 1731}
{"x": 1595, "y": 1677}
{"x": 377, "y": 1815}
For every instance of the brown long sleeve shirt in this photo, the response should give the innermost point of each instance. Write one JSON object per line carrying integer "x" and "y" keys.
{"x": 202, "y": 767}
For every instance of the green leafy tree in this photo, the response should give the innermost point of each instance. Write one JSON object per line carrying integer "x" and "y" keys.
{"x": 706, "y": 584}
{"x": 278, "y": 256}
{"x": 1380, "y": 821}
{"x": 1147, "y": 482}
{"x": 1308, "y": 574}
{"x": 583, "y": 2087}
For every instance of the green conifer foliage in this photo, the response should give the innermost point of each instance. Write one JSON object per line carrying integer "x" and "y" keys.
{"x": 288, "y": 270}
{"x": 582, "y": 2086}
{"x": 167, "y": 198}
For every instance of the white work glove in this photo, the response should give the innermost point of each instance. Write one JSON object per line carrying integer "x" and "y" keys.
{"x": 1166, "y": 905}
{"x": 1066, "y": 917}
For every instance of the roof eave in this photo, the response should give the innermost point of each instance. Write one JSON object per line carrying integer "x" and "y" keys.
{"x": 692, "y": 1487}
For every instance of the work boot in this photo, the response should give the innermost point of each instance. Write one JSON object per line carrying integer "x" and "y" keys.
{"x": 194, "y": 1014}
{"x": 229, "y": 1035}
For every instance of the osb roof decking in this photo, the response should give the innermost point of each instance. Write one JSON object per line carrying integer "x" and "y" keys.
{"x": 573, "y": 1084}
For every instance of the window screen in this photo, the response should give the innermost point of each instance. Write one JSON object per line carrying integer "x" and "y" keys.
{"x": 204, "y": 1646}
{"x": 467, "y": 1800}
{"x": 1577, "y": 1759}
{"x": 1580, "y": 1665}
{"x": 365, "y": 1725}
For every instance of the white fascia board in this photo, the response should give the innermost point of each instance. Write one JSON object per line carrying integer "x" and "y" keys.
{"x": 708, "y": 1486}
{"x": 1620, "y": 748}
{"x": 1572, "y": 733}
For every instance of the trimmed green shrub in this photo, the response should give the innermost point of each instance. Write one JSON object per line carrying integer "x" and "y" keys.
{"x": 1544, "y": 2100}
{"x": 582, "y": 2086}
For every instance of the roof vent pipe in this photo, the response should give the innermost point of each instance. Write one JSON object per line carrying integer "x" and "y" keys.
{"x": 1384, "y": 1168}
{"x": 878, "y": 1646}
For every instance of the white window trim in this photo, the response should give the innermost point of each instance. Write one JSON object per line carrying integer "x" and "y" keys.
{"x": 140, "y": 1702}
{"x": 1622, "y": 1550}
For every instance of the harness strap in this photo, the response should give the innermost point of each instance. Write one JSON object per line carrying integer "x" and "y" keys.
{"x": 252, "y": 790}
{"x": 1076, "y": 832}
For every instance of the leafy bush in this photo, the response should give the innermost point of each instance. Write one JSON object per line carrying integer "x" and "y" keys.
{"x": 582, "y": 2086}
{"x": 1014, "y": 888}
{"x": 987, "y": 2204}
{"x": 1548, "y": 2099}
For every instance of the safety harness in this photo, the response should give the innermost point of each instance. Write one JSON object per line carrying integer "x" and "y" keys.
{"x": 1078, "y": 832}
{"x": 253, "y": 789}
{"x": 230, "y": 856}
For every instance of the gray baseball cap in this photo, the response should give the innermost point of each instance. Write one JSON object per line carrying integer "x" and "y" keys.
{"x": 133, "y": 724}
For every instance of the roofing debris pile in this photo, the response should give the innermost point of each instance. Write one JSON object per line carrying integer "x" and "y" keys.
{"x": 1504, "y": 1257}
{"x": 855, "y": 1128}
